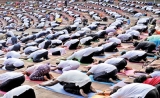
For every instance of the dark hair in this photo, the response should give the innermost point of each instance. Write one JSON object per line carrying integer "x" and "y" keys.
{"x": 100, "y": 61}
{"x": 115, "y": 90}
{"x": 140, "y": 79}
{"x": 123, "y": 52}
{"x": 135, "y": 43}
{"x": 57, "y": 63}
{"x": 149, "y": 70}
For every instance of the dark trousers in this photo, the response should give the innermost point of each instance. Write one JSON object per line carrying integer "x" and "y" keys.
{"x": 138, "y": 58}
{"x": 135, "y": 37}
{"x": 121, "y": 65}
{"x": 38, "y": 57}
{"x": 29, "y": 52}
{"x": 87, "y": 59}
{"x": 150, "y": 48}
{"x": 152, "y": 94}
{"x": 72, "y": 88}
{"x": 56, "y": 53}
{"x": 104, "y": 76}
{"x": 11, "y": 67}
{"x": 46, "y": 45}
{"x": 16, "y": 47}
{"x": 12, "y": 83}
{"x": 74, "y": 46}
{"x": 27, "y": 94}
{"x": 14, "y": 40}
{"x": 87, "y": 42}
{"x": 112, "y": 48}
{"x": 94, "y": 36}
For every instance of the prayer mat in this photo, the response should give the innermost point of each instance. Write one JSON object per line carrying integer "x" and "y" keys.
{"x": 2, "y": 92}
{"x": 59, "y": 89}
{"x": 37, "y": 82}
{"x": 105, "y": 56}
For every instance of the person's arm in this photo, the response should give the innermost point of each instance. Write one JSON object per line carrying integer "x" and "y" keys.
{"x": 83, "y": 94}
{"x": 70, "y": 57}
{"x": 50, "y": 83}
{"x": 55, "y": 68}
{"x": 89, "y": 73}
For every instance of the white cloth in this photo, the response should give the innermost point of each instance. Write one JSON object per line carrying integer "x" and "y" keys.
{"x": 32, "y": 55}
{"x": 155, "y": 74}
{"x": 62, "y": 50}
{"x": 9, "y": 75}
{"x": 134, "y": 90}
{"x": 133, "y": 53}
{"x": 123, "y": 37}
{"x": 113, "y": 60}
{"x": 17, "y": 91}
{"x": 16, "y": 62}
{"x": 70, "y": 42}
{"x": 114, "y": 39}
{"x": 74, "y": 76}
{"x": 70, "y": 63}
{"x": 102, "y": 67}
{"x": 83, "y": 40}
{"x": 13, "y": 54}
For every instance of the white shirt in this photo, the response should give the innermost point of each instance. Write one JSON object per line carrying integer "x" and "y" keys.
{"x": 62, "y": 50}
{"x": 114, "y": 39}
{"x": 9, "y": 75}
{"x": 102, "y": 67}
{"x": 56, "y": 41}
{"x": 30, "y": 48}
{"x": 113, "y": 60}
{"x": 63, "y": 36}
{"x": 133, "y": 53}
{"x": 84, "y": 52}
{"x": 34, "y": 54}
{"x": 123, "y": 37}
{"x": 13, "y": 54}
{"x": 83, "y": 40}
{"x": 134, "y": 32}
{"x": 74, "y": 76}
{"x": 134, "y": 90}
{"x": 107, "y": 45}
{"x": 17, "y": 91}
{"x": 16, "y": 62}
{"x": 70, "y": 63}
{"x": 70, "y": 42}
{"x": 155, "y": 74}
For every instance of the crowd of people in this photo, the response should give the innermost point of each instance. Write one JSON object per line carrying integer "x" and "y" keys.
{"x": 91, "y": 30}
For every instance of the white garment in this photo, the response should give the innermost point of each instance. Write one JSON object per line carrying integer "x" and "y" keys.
{"x": 134, "y": 90}
{"x": 123, "y": 37}
{"x": 155, "y": 74}
{"x": 71, "y": 63}
{"x": 114, "y": 39}
{"x": 113, "y": 60}
{"x": 133, "y": 53}
{"x": 16, "y": 62}
{"x": 83, "y": 40}
{"x": 74, "y": 76}
{"x": 9, "y": 75}
{"x": 17, "y": 91}
{"x": 102, "y": 67}
{"x": 13, "y": 54}
{"x": 70, "y": 42}
{"x": 30, "y": 48}
{"x": 62, "y": 50}
{"x": 32, "y": 55}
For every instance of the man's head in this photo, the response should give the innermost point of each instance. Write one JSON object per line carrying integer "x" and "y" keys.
{"x": 135, "y": 43}
{"x": 123, "y": 52}
{"x": 115, "y": 90}
{"x": 149, "y": 70}
{"x": 140, "y": 79}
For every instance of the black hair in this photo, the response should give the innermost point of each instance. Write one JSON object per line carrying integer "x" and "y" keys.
{"x": 115, "y": 90}
{"x": 100, "y": 61}
{"x": 57, "y": 63}
{"x": 135, "y": 43}
{"x": 149, "y": 70}
{"x": 140, "y": 79}
{"x": 124, "y": 52}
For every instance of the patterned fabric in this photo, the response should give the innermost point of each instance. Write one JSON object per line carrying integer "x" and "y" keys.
{"x": 40, "y": 72}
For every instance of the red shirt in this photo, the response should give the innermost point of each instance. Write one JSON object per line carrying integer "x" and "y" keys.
{"x": 152, "y": 81}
